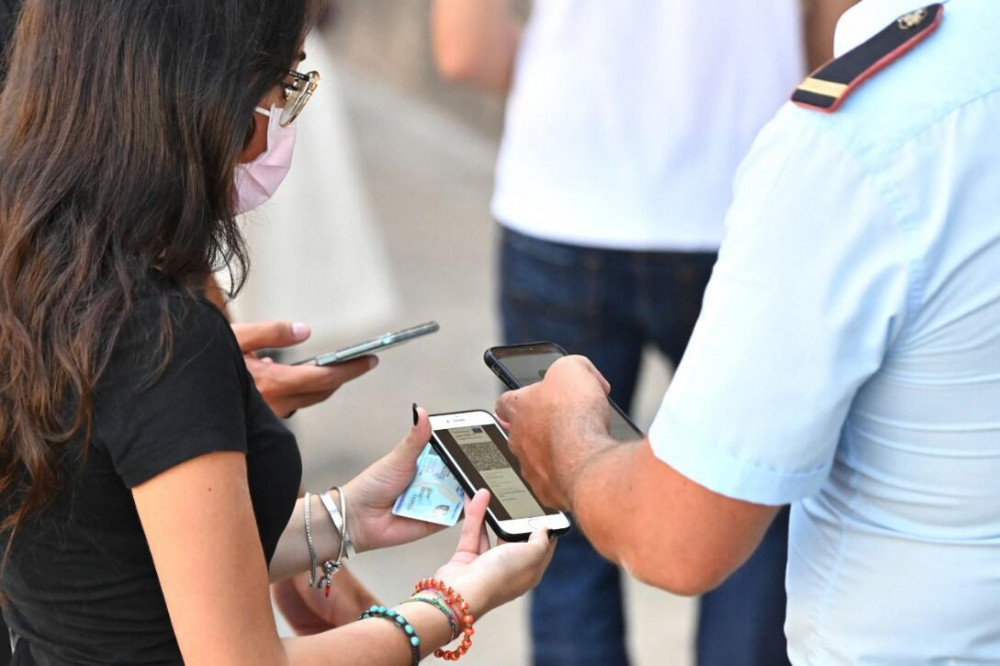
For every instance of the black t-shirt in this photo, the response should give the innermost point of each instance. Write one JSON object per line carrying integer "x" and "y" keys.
{"x": 80, "y": 582}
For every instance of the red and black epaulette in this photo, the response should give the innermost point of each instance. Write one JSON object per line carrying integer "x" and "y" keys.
{"x": 827, "y": 88}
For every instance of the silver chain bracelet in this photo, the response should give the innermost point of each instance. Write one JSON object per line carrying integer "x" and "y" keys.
{"x": 311, "y": 544}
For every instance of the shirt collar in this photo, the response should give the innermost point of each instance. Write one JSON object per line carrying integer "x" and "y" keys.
{"x": 866, "y": 19}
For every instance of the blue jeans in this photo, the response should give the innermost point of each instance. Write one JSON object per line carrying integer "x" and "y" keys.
{"x": 607, "y": 305}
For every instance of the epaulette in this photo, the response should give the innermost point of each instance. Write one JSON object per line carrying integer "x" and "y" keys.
{"x": 827, "y": 88}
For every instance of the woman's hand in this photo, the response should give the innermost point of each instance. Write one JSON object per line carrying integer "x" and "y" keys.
{"x": 490, "y": 577}
{"x": 287, "y": 388}
{"x": 372, "y": 493}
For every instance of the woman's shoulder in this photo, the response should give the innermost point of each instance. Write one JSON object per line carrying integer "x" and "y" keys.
{"x": 177, "y": 385}
{"x": 171, "y": 338}
{"x": 183, "y": 322}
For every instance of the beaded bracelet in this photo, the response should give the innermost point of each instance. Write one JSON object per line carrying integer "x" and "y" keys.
{"x": 399, "y": 621}
{"x": 455, "y": 600}
{"x": 436, "y": 601}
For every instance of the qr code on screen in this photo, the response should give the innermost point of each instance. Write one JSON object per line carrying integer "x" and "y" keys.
{"x": 485, "y": 456}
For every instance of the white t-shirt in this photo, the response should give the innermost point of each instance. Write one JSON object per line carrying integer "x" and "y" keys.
{"x": 627, "y": 119}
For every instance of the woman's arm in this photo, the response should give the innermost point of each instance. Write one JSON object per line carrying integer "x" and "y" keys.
{"x": 200, "y": 526}
{"x": 199, "y": 523}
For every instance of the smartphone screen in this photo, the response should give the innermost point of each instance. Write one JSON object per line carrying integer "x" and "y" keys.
{"x": 482, "y": 453}
{"x": 530, "y": 368}
{"x": 527, "y": 364}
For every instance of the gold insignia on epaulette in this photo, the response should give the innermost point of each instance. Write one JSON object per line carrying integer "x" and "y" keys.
{"x": 912, "y": 20}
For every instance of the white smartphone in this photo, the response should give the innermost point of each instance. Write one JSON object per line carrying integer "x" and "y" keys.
{"x": 375, "y": 345}
{"x": 474, "y": 447}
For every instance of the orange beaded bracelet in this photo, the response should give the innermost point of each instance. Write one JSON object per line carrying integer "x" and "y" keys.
{"x": 461, "y": 608}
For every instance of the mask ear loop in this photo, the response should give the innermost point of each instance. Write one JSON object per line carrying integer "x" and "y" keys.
{"x": 253, "y": 126}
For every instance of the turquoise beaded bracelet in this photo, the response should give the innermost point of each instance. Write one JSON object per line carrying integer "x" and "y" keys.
{"x": 399, "y": 621}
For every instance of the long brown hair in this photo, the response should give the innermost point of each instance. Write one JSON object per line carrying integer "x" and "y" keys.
{"x": 122, "y": 124}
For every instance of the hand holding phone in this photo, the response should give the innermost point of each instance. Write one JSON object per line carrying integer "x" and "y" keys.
{"x": 518, "y": 366}
{"x": 486, "y": 576}
{"x": 558, "y": 427}
{"x": 286, "y": 388}
{"x": 373, "y": 493}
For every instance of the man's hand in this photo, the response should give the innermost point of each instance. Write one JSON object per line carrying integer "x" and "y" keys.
{"x": 309, "y": 611}
{"x": 287, "y": 388}
{"x": 557, "y": 426}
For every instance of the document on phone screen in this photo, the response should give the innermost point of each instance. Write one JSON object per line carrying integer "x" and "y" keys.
{"x": 502, "y": 479}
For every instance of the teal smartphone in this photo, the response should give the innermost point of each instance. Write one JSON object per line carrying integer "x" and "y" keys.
{"x": 373, "y": 346}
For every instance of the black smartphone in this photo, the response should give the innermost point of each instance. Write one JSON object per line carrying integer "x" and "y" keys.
{"x": 373, "y": 346}
{"x": 521, "y": 365}
{"x": 474, "y": 447}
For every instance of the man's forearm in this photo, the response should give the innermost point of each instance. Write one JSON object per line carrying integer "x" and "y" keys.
{"x": 659, "y": 525}
{"x": 476, "y": 41}
{"x": 605, "y": 508}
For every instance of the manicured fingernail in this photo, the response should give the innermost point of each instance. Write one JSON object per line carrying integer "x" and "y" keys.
{"x": 416, "y": 417}
{"x": 300, "y": 331}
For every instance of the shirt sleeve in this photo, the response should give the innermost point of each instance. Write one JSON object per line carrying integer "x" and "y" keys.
{"x": 150, "y": 422}
{"x": 809, "y": 290}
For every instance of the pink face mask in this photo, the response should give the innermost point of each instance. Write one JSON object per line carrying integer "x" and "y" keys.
{"x": 257, "y": 181}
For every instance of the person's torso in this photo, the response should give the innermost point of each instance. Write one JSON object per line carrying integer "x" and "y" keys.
{"x": 627, "y": 120}
{"x": 81, "y": 584}
{"x": 897, "y": 560}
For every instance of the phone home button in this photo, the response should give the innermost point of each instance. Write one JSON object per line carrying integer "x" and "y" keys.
{"x": 537, "y": 524}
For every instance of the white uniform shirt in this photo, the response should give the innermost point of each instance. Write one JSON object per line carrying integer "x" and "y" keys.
{"x": 847, "y": 359}
{"x": 627, "y": 119}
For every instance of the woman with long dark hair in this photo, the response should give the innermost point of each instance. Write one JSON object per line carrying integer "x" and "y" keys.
{"x": 147, "y": 493}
